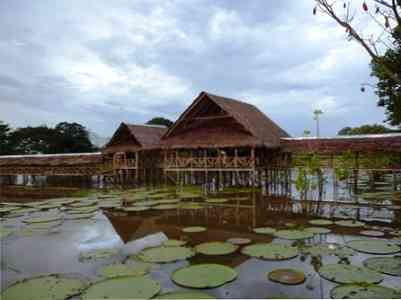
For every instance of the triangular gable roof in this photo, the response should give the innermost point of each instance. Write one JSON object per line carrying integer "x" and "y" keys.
{"x": 144, "y": 136}
{"x": 263, "y": 129}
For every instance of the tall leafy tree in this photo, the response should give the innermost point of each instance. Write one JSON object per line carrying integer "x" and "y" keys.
{"x": 381, "y": 40}
{"x": 160, "y": 121}
{"x": 33, "y": 140}
{"x": 366, "y": 129}
{"x": 72, "y": 138}
{"x": 5, "y": 143}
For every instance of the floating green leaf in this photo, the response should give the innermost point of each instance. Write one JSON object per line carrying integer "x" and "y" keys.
{"x": 204, "y": 276}
{"x": 293, "y": 234}
{"x": 165, "y": 207}
{"x": 318, "y": 230}
{"x": 239, "y": 241}
{"x": 136, "y": 208}
{"x": 386, "y": 265}
{"x": 194, "y": 229}
{"x": 44, "y": 219}
{"x": 328, "y": 249}
{"x": 374, "y": 246}
{"x": 44, "y": 287}
{"x": 217, "y": 200}
{"x": 350, "y": 223}
{"x": 264, "y": 230}
{"x": 129, "y": 287}
{"x": 342, "y": 273}
{"x": 117, "y": 270}
{"x": 374, "y": 233}
{"x": 185, "y": 295}
{"x": 99, "y": 254}
{"x": 320, "y": 222}
{"x": 287, "y": 276}
{"x": 5, "y": 232}
{"x": 354, "y": 291}
{"x": 174, "y": 243}
{"x": 270, "y": 251}
{"x": 216, "y": 248}
{"x": 165, "y": 254}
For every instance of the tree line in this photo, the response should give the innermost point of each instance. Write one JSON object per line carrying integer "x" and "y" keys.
{"x": 63, "y": 138}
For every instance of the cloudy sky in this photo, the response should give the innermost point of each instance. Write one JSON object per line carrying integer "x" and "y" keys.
{"x": 102, "y": 62}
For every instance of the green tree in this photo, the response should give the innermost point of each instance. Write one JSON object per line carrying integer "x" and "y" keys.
{"x": 72, "y": 138}
{"x": 5, "y": 143}
{"x": 160, "y": 121}
{"x": 381, "y": 40}
{"x": 33, "y": 140}
{"x": 366, "y": 129}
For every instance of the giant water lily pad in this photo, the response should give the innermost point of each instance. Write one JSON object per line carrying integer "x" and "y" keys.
{"x": 204, "y": 276}
{"x": 374, "y": 233}
{"x": 293, "y": 234}
{"x": 350, "y": 223}
{"x": 328, "y": 249}
{"x": 185, "y": 295}
{"x": 216, "y": 248}
{"x": 49, "y": 206}
{"x": 194, "y": 229}
{"x": 386, "y": 265}
{"x": 271, "y": 251}
{"x": 128, "y": 287}
{"x": 317, "y": 230}
{"x": 373, "y": 291}
{"x": 117, "y": 270}
{"x": 99, "y": 254}
{"x": 44, "y": 287}
{"x": 44, "y": 219}
{"x": 165, "y": 207}
{"x": 169, "y": 201}
{"x": 287, "y": 276}
{"x": 165, "y": 254}
{"x": 7, "y": 209}
{"x": 146, "y": 203}
{"x": 174, "y": 243}
{"x": 239, "y": 241}
{"x": 374, "y": 246}
{"x": 264, "y": 230}
{"x": 321, "y": 222}
{"x": 189, "y": 206}
{"x": 217, "y": 201}
{"x": 80, "y": 216}
{"x": 136, "y": 208}
{"x": 5, "y": 232}
{"x": 341, "y": 273}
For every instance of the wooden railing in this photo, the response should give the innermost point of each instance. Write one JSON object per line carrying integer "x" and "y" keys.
{"x": 209, "y": 163}
{"x": 125, "y": 164}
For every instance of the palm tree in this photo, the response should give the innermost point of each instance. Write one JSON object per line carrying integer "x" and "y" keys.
{"x": 316, "y": 117}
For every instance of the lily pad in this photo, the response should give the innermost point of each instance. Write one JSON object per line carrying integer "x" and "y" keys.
{"x": 44, "y": 219}
{"x": 374, "y": 233}
{"x": 239, "y": 241}
{"x": 99, "y": 254}
{"x": 80, "y": 216}
{"x": 204, "y": 276}
{"x": 350, "y": 223}
{"x": 185, "y": 295}
{"x": 49, "y": 206}
{"x": 194, "y": 229}
{"x": 354, "y": 291}
{"x": 342, "y": 273}
{"x": 128, "y": 287}
{"x": 320, "y": 222}
{"x": 374, "y": 246}
{"x": 386, "y": 265}
{"x": 118, "y": 270}
{"x": 5, "y": 232}
{"x": 136, "y": 208}
{"x": 318, "y": 230}
{"x": 264, "y": 230}
{"x": 287, "y": 276}
{"x": 328, "y": 249}
{"x": 174, "y": 243}
{"x": 165, "y": 206}
{"x": 146, "y": 203}
{"x": 270, "y": 251}
{"x": 396, "y": 233}
{"x": 217, "y": 201}
{"x": 8, "y": 209}
{"x": 190, "y": 206}
{"x": 293, "y": 234}
{"x": 165, "y": 254}
{"x": 44, "y": 287}
{"x": 216, "y": 248}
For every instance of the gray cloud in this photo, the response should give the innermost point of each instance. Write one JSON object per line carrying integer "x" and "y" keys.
{"x": 100, "y": 63}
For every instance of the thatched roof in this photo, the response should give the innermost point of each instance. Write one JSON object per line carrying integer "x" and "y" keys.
{"x": 213, "y": 121}
{"x": 132, "y": 137}
{"x": 51, "y": 159}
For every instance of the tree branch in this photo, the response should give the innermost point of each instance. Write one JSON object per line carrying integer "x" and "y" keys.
{"x": 397, "y": 15}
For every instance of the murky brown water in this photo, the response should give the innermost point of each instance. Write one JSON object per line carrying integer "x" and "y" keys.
{"x": 58, "y": 251}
